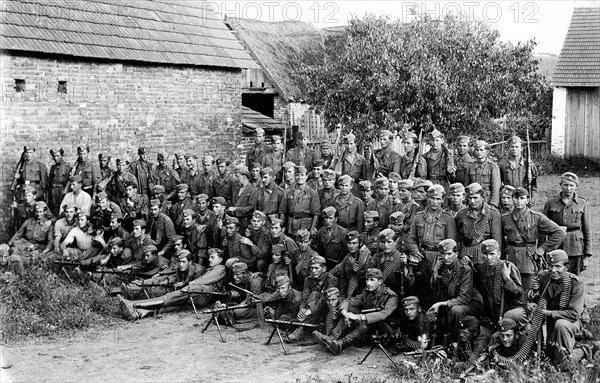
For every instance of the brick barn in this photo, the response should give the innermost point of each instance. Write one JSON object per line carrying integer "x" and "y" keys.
{"x": 116, "y": 76}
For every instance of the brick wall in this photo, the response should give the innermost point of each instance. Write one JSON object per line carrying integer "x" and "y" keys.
{"x": 115, "y": 107}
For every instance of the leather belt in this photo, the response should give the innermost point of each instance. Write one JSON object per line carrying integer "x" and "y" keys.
{"x": 302, "y": 215}
{"x": 520, "y": 244}
{"x": 429, "y": 248}
{"x": 569, "y": 229}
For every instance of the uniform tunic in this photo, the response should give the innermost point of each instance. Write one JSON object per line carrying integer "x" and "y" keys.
{"x": 388, "y": 161}
{"x": 487, "y": 174}
{"x": 474, "y": 227}
{"x": 57, "y": 181}
{"x": 299, "y": 205}
{"x": 576, "y": 218}
{"x": 142, "y": 170}
{"x": 36, "y": 175}
{"x": 350, "y": 212}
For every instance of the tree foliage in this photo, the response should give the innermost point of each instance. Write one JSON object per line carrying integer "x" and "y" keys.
{"x": 454, "y": 74}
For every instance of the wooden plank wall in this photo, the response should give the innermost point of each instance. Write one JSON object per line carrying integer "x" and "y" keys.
{"x": 582, "y": 131}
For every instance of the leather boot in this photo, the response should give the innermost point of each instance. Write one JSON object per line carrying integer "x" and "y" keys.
{"x": 296, "y": 336}
{"x": 127, "y": 309}
{"x": 324, "y": 340}
{"x": 338, "y": 345}
{"x": 153, "y": 303}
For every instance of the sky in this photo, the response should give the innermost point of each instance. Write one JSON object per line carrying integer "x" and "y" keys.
{"x": 546, "y": 21}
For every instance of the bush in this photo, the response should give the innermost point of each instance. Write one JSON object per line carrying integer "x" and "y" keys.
{"x": 580, "y": 165}
{"x": 40, "y": 303}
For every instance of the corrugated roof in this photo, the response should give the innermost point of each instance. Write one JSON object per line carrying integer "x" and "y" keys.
{"x": 278, "y": 46}
{"x": 158, "y": 31}
{"x": 579, "y": 60}
{"x": 252, "y": 119}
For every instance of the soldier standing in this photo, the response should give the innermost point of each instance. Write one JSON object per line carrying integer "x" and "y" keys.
{"x": 302, "y": 155}
{"x": 456, "y": 198}
{"x": 303, "y": 257}
{"x": 259, "y": 150}
{"x": 165, "y": 176}
{"x": 485, "y": 172}
{"x": 370, "y": 236}
{"x": 88, "y": 170}
{"x": 276, "y": 158}
{"x": 134, "y": 206}
{"x": 330, "y": 238}
{"x": 351, "y": 270}
{"x": 289, "y": 175}
{"x": 300, "y": 205}
{"x": 397, "y": 274}
{"x": 506, "y": 202}
{"x": 142, "y": 170}
{"x": 116, "y": 186}
{"x": 184, "y": 201}
{"x": 353, "y": 164}
{"x": 383, "y": 203}
{"x": 386, "y": 159}
{"x": 513, "y": 169}
{"x": 349, "y": 207}
{"x": 105, "y": 170}
{"x": 269, "y": 195}
{"x": 224, "y": 184}
{"x": 327, "y": 155}
{"x": 59, "y": 177}
{"x": 463, "y": 158}
{"x": 411, "y": 143}
{"x": 32, "y": 173}
{"x": 245, "y": 198}
{"x": 366, "y": 192}
{"x": 440, "y": 163}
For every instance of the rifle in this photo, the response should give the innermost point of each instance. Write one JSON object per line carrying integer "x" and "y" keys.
{"x": 248, "y": 292}
{"x": 401, "y": 279}
{"x": 529, "y": 174}
{"x": 260, "y": 312}
{"x": 335, "y": 161}
{"x": 375, "y": 161}
{"x": 18, "y": 169}
{"x": 214, "y": 316}
{"x": 71, "y": 174}
{"x": 450, "y": 158}
{"x": 276, "y": 329}
{"x": 415, "y": 162}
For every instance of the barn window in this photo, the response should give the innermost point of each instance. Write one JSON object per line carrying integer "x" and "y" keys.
{"x": 19, "y": 85}
{"x": 62, "y": 87}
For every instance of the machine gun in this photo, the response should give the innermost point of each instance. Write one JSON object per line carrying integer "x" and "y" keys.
{"x": 215, "y": 313}
{"x": 379, "y": 341}
{"x": 225, "y": 294}
{"x": 276, "y": 323}
{"x": 258, "y": 301}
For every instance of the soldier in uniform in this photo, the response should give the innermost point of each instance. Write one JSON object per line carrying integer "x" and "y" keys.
{"x": 397, "y": 273}
{"x": 160, "y": 227}
{"x": 386, "y": 159}
{"x": 77, "y": 197}
{"x": 63, "y": 226}
{"x": 302, "y": 155}
{"x": 302, "y": 259}
{"x": 300, "y": 205}
{"x": 245, "y": 198}
{"x": 349, "y": 207}
{"x": 116, "y": 186}
{"x": 135, "y": 206}
{"x": 184, "y": 201}
{"x": 513, "y": 169}
{"x": 330, "y": 238}
{"x": 255, "y": 176}
{"x": 370, "y": 236}
{"x": 397, "y": 223}
{"x": 456, "y": 198}
{"x": 104, "y": 163}
{"x": 216, "y": 227}
{"x": 415, "y": 331}
{"x": 104, "y": 209}
{"x": 353, "y": 164}
{"x": 258, "y": 151}
{"x": 419, "y": 192}
{"x": 207, "y": 176}
{"x": 394, "y": 179}
{"x": 59, "y": 177}
{"x": 366, "y": 192}
{"x": 463, "y": 158}
{"x": 180, "y": 166}
{"x": 440, "y": 163}
{"x": 329, "y": 192}
{"x": 327, "y": 155}
{"x": 25, "y": 209}
{"x": 571, "y": 212}
{"x": 506, "y": 202}
{"x": 166, "y": 176}
{"x": 193, "y": 178}
{"x": 316, "y": 180}
{"x": 133, "y": 247}
{"x": 203, "y": 214}
{"x": 32, "y": 173}
{"x": 88, "y": 170}
{"x": 258, "y": 233}
{"x": 278, "y": 267}
{"x": 411, "y": 143}
{"x": 383, "y": 203}
{"x": 351, "y": 270}
{"x": 408, "y": 206}
{"x": 289, "y": 176}
{"x": 237, "y": 246}
{"x": 284, "y": 303}
{"x": 142, "y": 170}
{"x": 475, "y": 224}
{"x": 453, "y": 291}
{"x": 521, "y": 230}
{"x": 485, "y": 172}
{"x": 269, "y": 195}
{"x": 276, "y": 158}
{"x": 79, "y": 239}
{"x": 251, "y": 281}
{"x": 224, "y": 184}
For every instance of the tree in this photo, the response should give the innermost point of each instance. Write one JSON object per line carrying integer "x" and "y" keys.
{"x": 453, "y": 74}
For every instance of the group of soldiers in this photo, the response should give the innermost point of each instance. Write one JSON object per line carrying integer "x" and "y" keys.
{"x": 439, "y": 248}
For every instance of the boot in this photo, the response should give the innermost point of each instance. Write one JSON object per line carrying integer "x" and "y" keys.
{"x": 127, "y": 309}
{"x": 296, "y": 336}
{"x": 338, "y": 345}
{"x": 125, "y": 291}
{"x": 323, "y": 339}
{"x": 153, "y": 303}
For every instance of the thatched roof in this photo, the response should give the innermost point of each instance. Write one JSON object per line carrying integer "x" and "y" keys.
{"x": 579, "y": 60}
{"x": 278, "y": 47}
{"x": 157, "y": 31}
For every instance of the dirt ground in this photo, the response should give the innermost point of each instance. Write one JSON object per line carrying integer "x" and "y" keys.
{"x": 172, "y": 348}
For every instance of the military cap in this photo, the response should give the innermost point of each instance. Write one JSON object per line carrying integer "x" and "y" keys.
{"x": 80, "y": 213}
{"x": 259, "y": 131}
{"x": 214, "y": 250}
{"x": 29, "y": 189}
{"x": 67, "y": 206}
{"x": 318, "y": 259}
{"x": 469, "y": 323}
{"x": 79, "y": 149}
{"x": 276, "y": 137}
{"x": 382, "y": 182}
{"x": 259, "y": 215}
{"x": 301, "y": 169}
{"x": 265, "y": 171}
{"x": 349, "y": 137}
{"x": 218, "y": 200}
{"x": 374, "y": 273}
{"x": 332, "y": 292}
{"x": 397, "y": 218}
{"x": 481, "y": 144}
{"x": 162, "y": 154}
{"x": 302, "y": 134}
{"x": 208, "y": 160}
{"x": 489, "y": 245}
{"x": 328, "y": 174}
{"x": 183, "y": 254}
{"x": 365, "y": 185}
{"x": 520, "y": 192}
{"x": 387, "y": 234}
{"x": 436, "y": 190}
{"x": 179, "y": 153}
{"x": 507, "y": 324}
{"x": 393, "y": 176}
{"x": 386, "y": 133}
{"x": 514, "y": 140}
{"x": 116, "y": 215}
{"x": 102, "y": 195}
{"x": 155, "y": 202}
{"x": 222, "y": 160}
{"x": 289, "y": 165}
{"x": 406, "y": 184}
{"x": 176, "y": 237}
{"x": 115, "y": 241}
{"x": 41, "y": 205}
{"x": 243, "y": 170}
{"x": 352, "y": 235}
{"x": 202, "y": 197}
{"x": 318, "y": 163}
{"x": 345, "y": 179}
{"x": 256, "y": 165}
{"x": 557, "y": 256}
{"x": 328, "y": 212}
{"x": 434, "y": 134}
{"x": 507, "y": 189}
{"x": 139, "y": 222}
{"x": 463, "y": 139}
{"x": 131, "y": 183}
{"x": 447, "y": 245}
{"x": 456, "y": 188}
{"x": 118, "y": 161}
{"x": 474, "y": 188}
{"x": 76, "y": 178}
{"x": 421, "y": 183}
{"x": 326, "y": 144}
{"x": 239, "y": 267}
{"x": 372, "y": 214}
{"x": 276, "y": 221}
{"x": 101, "y": 156}
{"x": 302, "y": 234}
{"x": 181, "y": 187}
{"x": 282, "y": 280}
{"x": 142, "y": 150}
{"x": 232, "y": 221}
{"x": 571, "y": 177}
{"x": 188, "y": 213}
{"x": 412, "y": 300}
{"x": 410, "y": 136}
{"x": 278, "y": 249}
{"x": 149, "y": 249}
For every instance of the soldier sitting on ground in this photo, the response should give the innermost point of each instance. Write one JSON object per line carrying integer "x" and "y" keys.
{"x": 414, "y": 330}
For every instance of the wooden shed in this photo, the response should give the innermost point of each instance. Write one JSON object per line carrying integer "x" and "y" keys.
{"x": 576, "y": 81}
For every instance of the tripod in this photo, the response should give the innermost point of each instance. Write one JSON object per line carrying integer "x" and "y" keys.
{"x": 377, "y": 342}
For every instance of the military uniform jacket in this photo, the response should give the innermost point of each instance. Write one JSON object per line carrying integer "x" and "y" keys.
{"x": 197, "y": 243}
{"x": 142, "y": 170}
{"x": 214, "y": 276}
{"x": 515, "y": 173}
{"x": 275, "y": 270}
{"x": 386, "y": 161}
{"x": 116, "y": 186}
{"x": 161, "y": 229}
{"x": 302, "y": 157}
{"x": 192, "y": 273}
{"x": 355, "y": 168}
{"x": 521, "y": 232}
{"x": 288, "y": 305}
{"x": 150, "y": 268}
{"x": 454, "y": 284}
{"x": 39, "y": 233}
{"x": 106, "y": 214}
{"x": 454, "y": 209}
{"x": 315, "y": 183}
{"x": 245, "y": 202}
{"x": 428, "y": 230}
{"x": 574, "y": 308}
{"x": 350, "y": 212}
{"x": 224, "y": 186}
{"x": 486, "y": 278}
{"x": 371, "y": 240}
{"x": 327, "y": 197}
{"x": 487, "y": 174}
{"x": 409, "y": 209}
{"x": 474, "y": 227}
{"x": 385, "y": 208}
{"x": 235, "y": 249}
{"x": 318, "y": 285}
{"x": 384, "y": 299}
{"x": 413, "y": 329}
{"x": 36, "y": 174}
{"x": 253, "y": 283}
{"x": 177, "y": 211}
{"x": 462, "y": 166}
{"x": 406, "y": 163}
{"x": 167, "y": 177}
{"x": 300, "y": 202}
{"x": 261, "y": 240}
{"x": 135, "y": 207}
{"x": 136, "y": 245}
{"x": 350, "y": 281}
{"x": 269, "y": 199}
{"x": 330, "y": 243}
{"x": 257, "y": 154}
{"x": 302, "y": 262}
{"x": 576, "y": 218}
{"x": 89, "y": 172}
{"x": 274, "y": 160}
{"x": 437, "y": 166}
{"x": 204, "y": 218}
{"x": 59, "y": 176}
{"x": 391, "y": 267}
